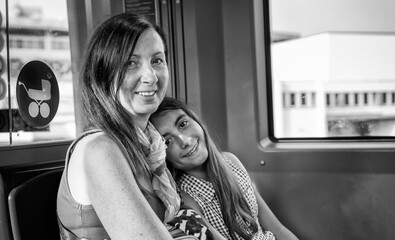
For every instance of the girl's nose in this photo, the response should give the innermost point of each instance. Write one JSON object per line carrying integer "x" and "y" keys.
{"x": 184, "y": 140}
{"x": 148, "y": 75}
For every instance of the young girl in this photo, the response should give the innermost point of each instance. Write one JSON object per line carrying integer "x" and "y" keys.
{"x": 213, "y": 183}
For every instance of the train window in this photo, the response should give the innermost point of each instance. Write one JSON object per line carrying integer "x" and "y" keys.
{"x": 35, "y": 31}
{"x": 332, "y": 68}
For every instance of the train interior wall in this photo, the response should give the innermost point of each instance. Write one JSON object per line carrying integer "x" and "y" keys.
{"x": 326, "y": 193}
{"x": 321, "y": 194}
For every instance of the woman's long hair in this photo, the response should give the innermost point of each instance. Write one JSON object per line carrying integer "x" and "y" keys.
{"x": 235, "y": 209}
{"x": 105, "y": 64}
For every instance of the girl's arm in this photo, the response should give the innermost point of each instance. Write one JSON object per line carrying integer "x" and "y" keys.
{"x": 115, "y": 195}
{"x": 267, "y": 219}
{"x": 190, "y": 202}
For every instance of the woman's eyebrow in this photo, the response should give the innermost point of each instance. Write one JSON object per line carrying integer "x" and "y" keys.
{"x": 156, "y": 54}
{"x": 135, "y": 56}
{"x": 159, "y": 53}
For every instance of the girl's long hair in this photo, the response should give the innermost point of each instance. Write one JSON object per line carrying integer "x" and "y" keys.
{"x": 235, "y": 209}
{"x": 105, "y": 64}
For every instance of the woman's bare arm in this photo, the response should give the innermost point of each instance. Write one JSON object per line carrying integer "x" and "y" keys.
{"x": 115, "y": 195}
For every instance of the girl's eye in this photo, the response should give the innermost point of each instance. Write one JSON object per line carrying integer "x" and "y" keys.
{"x": 168, "y": 141}
{"x": 183, "y": 124}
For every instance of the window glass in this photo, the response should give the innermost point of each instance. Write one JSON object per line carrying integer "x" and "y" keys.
{"x": 37, "y": 31}
{"x": 333, "y": 71}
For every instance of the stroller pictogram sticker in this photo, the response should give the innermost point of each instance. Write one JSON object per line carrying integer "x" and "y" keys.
{"x": 37, "y": 94}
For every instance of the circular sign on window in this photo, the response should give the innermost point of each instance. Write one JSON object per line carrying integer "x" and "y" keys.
{"x": 3, "y": 88}
{"x": 2, "y": 65}
{"x": 37, "y": 94}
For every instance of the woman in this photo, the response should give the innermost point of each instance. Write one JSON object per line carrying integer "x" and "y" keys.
{"x": 115, "y": 183}
{"x": 215, "y": 184}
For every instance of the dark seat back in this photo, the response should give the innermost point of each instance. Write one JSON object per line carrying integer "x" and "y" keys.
{"x": 4, "y": 222}
{"x": 32, "y": 207}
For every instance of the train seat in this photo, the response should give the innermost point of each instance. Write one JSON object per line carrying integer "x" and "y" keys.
{"x": 32, "y": 207}
{"x": 4, "y": 222}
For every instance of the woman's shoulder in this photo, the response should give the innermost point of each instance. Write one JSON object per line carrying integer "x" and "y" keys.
{"x": 99, "y": 142}
{"x": 92, "y": 158}
{"x": 96, "y": 147}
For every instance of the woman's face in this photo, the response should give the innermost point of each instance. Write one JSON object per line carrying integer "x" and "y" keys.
{"x": 184, "y": 137}
{"x": 147, "y": 76}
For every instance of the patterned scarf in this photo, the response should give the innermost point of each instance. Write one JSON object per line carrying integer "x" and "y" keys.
{"x": 162, "y": 182}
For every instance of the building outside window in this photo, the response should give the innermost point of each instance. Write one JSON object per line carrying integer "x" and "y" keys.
{"x": 37, "y": 30}
{"x": 345, "y": 55}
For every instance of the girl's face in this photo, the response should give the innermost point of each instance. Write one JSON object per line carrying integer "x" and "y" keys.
{"x": 184, "y": 137}
{"x": 147, "y": 76}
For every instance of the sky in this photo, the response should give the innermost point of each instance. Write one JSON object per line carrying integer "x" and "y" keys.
{"x": 308, "y": 17}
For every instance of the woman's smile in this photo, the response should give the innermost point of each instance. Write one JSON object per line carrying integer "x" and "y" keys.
{"x": 146, "y": 93}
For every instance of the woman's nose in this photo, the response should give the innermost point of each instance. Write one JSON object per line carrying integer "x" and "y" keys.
{"x": 184, "y": 140}
{"x": 148, "y": 75}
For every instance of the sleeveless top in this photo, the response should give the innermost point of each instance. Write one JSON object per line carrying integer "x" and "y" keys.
{"x": 82, "y": 220}
{"x": 204, "y": 194}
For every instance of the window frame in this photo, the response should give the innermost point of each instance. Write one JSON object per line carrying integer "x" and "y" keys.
{"x": 27, "y": 42}
{"x": 264, "y": 102}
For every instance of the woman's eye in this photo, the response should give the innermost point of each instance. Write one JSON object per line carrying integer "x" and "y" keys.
{"x": 157, "y": 61}
{"x": 132, "y": 63}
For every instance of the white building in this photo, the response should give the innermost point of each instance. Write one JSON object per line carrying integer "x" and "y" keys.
{"x": 334, "y": 84}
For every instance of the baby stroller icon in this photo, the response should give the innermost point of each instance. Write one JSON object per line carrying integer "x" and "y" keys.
{"x": 39, "y": 96}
